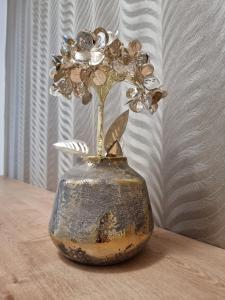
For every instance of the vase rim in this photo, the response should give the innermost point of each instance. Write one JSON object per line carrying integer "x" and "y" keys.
{"x": 101, "y": 159}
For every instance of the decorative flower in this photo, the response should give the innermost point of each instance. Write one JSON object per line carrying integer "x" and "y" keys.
{"x": 138, "y": 99}
{"x": 97, "y": 60}
{"x": 143, "y": 99}
{"x": 92, "y": 57}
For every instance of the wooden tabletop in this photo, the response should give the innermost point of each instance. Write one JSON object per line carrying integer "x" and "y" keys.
{"x": 171, "y": 266}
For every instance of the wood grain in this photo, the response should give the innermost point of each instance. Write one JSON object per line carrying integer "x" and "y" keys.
{"x": 171, "y": 267}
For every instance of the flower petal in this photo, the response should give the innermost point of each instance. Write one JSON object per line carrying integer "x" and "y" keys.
{"x": 151, "y": 82}
{"x": 65, "y": 86}
{"x": 82, "y": 56}
{"x": 75, "y": 75}
{"x": 54, "y": 90}
{"x": 112, "y": 37}
{"x": 86, "y": 98}
{"x": 136, "y": 106}
{"x": 52, "y": 72}
{"x": 153, "y": 108}
{"x": 157, "y": 95}
{"x": 96, "y": 58}
{"x": 132, "y": 93}
{"x": 143, "y": 58}
{"x": 85, "y": 40}
{"x": 134, "y": 47}
{"x": 102, "y": 37}
{"x": 147, "y": 69}
{"x": 99, "y": 77}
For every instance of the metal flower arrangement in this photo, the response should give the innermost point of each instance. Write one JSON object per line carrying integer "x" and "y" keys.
{"x": 97, "y": 60}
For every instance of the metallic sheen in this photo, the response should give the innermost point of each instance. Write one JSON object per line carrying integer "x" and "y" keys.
{"x": 102, "y": 214}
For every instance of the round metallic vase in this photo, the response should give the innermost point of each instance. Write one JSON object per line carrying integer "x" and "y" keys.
{"x": 102, "y": 214}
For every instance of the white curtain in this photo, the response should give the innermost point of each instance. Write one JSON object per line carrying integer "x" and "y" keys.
{"x": 3, "y": 18}
{"x": 180, "y": 150}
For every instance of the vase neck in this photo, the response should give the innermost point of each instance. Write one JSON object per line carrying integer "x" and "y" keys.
{"x": 106, "y": 161}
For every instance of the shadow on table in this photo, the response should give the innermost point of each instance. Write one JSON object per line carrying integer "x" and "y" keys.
{"x": 144, "y": 259}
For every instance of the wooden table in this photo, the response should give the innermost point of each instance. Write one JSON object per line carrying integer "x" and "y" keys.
{"x": 171, "y": 267}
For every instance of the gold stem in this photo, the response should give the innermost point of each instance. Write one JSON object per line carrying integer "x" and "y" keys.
{"x": 102, "y": 92}
{"x": 100, "y": 131}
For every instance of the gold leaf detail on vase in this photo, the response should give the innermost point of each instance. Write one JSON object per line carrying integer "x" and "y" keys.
{"x": 72, "y": 146}
{"x": 115, "y": 150}
{"x": 116, "y": 130}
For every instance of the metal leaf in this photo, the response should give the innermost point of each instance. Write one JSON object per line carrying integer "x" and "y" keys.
{"x": 116, "y": 130}
{"x": 115, "y": 150}
{"x": 72, "y": 146}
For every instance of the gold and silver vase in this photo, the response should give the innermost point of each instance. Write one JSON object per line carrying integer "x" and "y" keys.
{"x": 102, "y": 213}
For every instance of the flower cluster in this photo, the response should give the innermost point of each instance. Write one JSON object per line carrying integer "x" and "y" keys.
{"x": 89, "y": 60}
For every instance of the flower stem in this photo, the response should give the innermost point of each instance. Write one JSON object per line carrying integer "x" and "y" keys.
{"x": 100, "y": 131}
{"x": 102, "y": 92}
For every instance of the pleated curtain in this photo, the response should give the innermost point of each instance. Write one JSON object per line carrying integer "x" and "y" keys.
{"x": 180, "y": 150}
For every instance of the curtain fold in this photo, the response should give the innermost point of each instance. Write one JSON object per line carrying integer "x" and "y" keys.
{"x": 194, "y": 118}
{"x": 180, "y": 150}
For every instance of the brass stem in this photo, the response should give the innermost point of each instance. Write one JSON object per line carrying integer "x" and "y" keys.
{"x": 102, "y": 92}
{"x": 100, "y": 131}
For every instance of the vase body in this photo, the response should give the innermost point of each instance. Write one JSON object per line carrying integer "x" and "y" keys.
{"x": 102, "y": 214}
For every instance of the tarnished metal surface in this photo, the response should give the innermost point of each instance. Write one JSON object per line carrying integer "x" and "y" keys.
{"x": 102, "y": 213}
